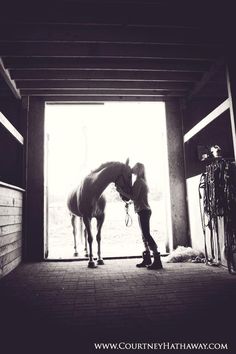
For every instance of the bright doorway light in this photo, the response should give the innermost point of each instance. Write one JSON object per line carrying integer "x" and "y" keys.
{"x": 81, "y": 137}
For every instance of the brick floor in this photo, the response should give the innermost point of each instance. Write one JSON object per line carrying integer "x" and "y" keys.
{"x": 64, "y": 305}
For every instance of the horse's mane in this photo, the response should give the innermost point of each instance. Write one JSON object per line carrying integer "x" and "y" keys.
{"x": 103, "y": 165}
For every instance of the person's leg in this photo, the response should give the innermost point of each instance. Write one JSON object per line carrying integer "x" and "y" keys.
{"x": 144, "y": 217}
{"x": 144, "y": 221}
{"x": 143, "y": 238}
{"x": 146, "y": 254}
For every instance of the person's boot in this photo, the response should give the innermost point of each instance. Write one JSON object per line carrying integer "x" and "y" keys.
{"x": 156, "y": 264}
{"x": 146, "y": 260}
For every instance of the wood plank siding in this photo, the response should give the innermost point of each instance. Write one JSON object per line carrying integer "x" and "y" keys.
{"x": 11, "y": 210}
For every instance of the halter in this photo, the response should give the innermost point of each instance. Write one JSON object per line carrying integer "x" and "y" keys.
{"x": 128, "y": 219}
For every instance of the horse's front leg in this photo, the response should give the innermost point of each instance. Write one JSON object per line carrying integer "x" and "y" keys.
{"x": 87, "y": 223}
{"x": 85, "y": 243}
{"x": 83, "y": 235}
{"x": 100, "y": 221}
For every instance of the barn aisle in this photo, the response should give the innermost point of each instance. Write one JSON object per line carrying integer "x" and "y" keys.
{"x": 63, "y": 305}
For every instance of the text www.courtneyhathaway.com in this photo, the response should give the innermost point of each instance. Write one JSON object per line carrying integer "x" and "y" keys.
{"x": 160, "y": 346}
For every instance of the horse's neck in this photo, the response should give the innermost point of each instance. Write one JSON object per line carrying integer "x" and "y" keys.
{"x": 105, "y": 177}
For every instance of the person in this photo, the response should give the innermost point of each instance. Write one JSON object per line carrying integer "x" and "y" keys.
{"x": 139, "y": 196}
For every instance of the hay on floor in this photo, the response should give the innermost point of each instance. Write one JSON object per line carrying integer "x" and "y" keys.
{"x": 185, "y": 254}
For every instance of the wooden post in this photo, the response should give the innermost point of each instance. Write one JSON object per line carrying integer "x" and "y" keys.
{"x": 180, "y": 233}
{"x": 35, "y": 181}
{"x": 24, "y": 129}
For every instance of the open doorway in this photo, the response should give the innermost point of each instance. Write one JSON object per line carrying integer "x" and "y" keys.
{"x": 79, "y": 137}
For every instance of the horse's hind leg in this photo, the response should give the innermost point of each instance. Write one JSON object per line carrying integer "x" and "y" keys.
{"x": 87, "y": 223}
{"x": 73, "y": 223}
{"x": 100, "y": 221}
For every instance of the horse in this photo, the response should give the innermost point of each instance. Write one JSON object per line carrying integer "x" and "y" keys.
{"x": 87, "y": 202}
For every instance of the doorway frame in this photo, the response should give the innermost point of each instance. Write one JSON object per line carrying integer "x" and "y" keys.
{"x": 34, "y": 237}
{"x": 165, "y": 186}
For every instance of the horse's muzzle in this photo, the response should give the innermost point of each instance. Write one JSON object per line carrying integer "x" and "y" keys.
{"x": 125, "y": 199}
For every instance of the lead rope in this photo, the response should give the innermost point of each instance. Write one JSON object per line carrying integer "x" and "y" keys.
{"x": 128, "y": 219}
{"x": 202, "y": 185}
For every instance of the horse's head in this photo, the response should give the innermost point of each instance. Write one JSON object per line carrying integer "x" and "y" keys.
{"x": 124, "y": 180}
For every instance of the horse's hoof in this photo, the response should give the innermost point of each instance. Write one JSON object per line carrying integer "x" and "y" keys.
{"x": 76, "y": 254}
{"x": 91, "y": 264}
{"x": 100, "y": 262}
{"x": 86, "y": 255}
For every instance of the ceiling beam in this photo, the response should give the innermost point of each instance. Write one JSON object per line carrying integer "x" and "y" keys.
{"x": 110, "y": 98}
{"x": 207, "y": 77}
{"x": 99, "y": 92}
{"x": 10, "y": 83}
{"x": 176, "y": 13}
{"x": 108, "y": 33}
{"x": 93, "y": 96}
{"x": 103, "y": 75}
{"x": 120, "y": 92}
{"x": 49, "y": 63}
{"x": 73, "y": 84}
{"x": 97, "y": 50}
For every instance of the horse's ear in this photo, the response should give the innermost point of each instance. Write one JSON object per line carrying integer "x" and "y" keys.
{"x": 127, "y": 161}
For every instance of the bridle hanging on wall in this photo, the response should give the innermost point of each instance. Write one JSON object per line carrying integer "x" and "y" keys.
{"x": 218, "y": 184}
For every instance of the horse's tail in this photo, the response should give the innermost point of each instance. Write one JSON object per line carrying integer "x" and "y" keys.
{"x": 72, "y": 203}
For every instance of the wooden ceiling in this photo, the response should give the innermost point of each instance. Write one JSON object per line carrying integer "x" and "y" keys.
{"x": 114, "y": 50}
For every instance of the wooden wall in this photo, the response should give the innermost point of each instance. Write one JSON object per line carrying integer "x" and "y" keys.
{"x": 11, "y": 183}
{"x": 11, "y": 207}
